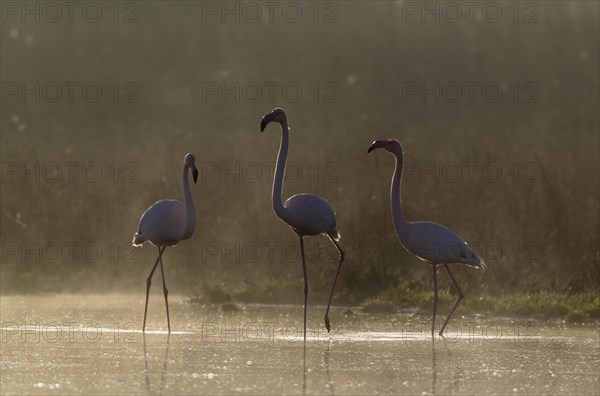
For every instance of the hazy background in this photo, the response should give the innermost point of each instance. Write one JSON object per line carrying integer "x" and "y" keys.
{"x": 536, "y": 223}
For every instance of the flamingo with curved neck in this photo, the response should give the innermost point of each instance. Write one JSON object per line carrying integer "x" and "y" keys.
{"x": 165, "y": 223}
{"x": 430, "y": 242}
{"x": 306, "y": 214}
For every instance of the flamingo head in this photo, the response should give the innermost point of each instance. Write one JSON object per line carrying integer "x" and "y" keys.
{"x": 190, "y": 162}
{"x": 277, "y": 115}
{"x": 391, "y": 145}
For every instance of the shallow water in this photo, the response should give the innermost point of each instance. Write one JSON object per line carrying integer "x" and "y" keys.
{"x": 68, "y": 344}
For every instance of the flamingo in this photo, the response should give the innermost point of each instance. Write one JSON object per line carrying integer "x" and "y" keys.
{"x": 306, "y": 214}
{"x": 165, "y": 223}
{"x": 431, "y": 242}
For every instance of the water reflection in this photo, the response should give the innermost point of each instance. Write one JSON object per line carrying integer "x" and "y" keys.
{"x": 326, "y": 363}
{"x": 328, "y": 383}
{"x": 434, "y": 371}
{"x": 163, "y": 373}
{"x": 304, "y": 370}
{"x": 457, "y": 371}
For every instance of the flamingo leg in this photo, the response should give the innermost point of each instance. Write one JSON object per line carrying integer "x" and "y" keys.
{"x": 435, "y": 299}
{"x": 305, "y": 283}
{"x": 166, "y": 292}
{"x": 148, "y": 283}
{"x": 460, "y": 297}
{"x": 334, "y": 282}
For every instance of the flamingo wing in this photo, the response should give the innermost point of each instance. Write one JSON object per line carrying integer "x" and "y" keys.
{"x": 164, "y": 222}
{"x": 310, "y": 214}
{"x": 436, "y": 244}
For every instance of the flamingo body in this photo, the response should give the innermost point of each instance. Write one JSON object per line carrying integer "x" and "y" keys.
{"x": 309, "y": 214}
{"x": 162, "y": 224}
{"x": 437, "y": 244}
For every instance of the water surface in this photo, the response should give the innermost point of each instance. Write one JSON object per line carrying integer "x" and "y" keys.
{"x": 65, "y": 344}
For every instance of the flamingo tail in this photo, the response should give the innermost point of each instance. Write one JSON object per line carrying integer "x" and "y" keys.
{"x": 334, "y": 234}
{"x": 138, "y": 239}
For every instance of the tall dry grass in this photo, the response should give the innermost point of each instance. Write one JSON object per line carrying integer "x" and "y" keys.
{"x": 542, "y": 224}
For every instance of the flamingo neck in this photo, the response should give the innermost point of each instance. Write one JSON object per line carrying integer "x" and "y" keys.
{"x": 189, "y": 206}
{"x": 399, "y": 222}
{"x": 280, "y": 171}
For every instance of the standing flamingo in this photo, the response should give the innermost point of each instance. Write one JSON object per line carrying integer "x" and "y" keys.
{"x": 306, "y": 214}
{"x": 165, "y": 223}
{"x": 431, "y": 242}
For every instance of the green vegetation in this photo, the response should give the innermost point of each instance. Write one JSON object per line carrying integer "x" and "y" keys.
{"x": 581, "y": 307}
{"x": 539, "y": 303}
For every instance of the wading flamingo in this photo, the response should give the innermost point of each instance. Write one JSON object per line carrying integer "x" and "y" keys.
{"x": 164, "y": 224}
{"x": 306, "y": 214}
{"x": 431, "y": 242}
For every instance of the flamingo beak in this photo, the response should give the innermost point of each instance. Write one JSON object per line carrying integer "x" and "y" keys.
{"x": 266, "y": 120}
{"x": 377, "y": 144}
{"x": 195, "y": 175}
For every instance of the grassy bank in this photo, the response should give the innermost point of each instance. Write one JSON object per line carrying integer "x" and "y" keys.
{"x": 538, "y": 303}
{"x": 542, "y": 304}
